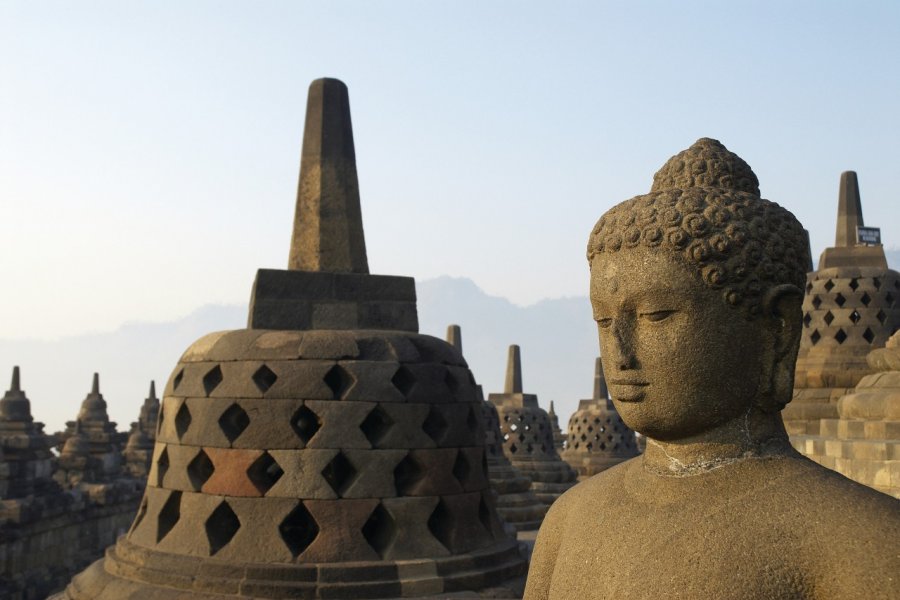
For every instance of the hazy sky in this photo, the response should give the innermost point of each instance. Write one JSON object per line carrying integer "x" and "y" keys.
{"x": 149, "y": 150}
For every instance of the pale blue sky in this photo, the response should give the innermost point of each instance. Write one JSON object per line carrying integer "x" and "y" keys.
{"x": 149, "y": 150}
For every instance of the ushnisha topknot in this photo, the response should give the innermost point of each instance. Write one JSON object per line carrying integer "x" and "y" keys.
{"x": 705, "y": 208}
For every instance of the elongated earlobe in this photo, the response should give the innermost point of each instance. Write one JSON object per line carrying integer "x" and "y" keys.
{"x": 782, "y": 317}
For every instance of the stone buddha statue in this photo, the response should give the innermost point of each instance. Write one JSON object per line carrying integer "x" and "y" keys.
{"x": 696, "y": 291}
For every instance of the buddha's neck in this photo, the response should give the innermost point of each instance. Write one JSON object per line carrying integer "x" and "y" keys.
{"x": 754, "y": 435}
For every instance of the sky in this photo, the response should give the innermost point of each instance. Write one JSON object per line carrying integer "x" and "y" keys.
{"x": 149, "y": 151}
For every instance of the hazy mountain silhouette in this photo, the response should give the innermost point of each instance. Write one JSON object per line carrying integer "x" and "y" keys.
{"x": 558, "y": 340}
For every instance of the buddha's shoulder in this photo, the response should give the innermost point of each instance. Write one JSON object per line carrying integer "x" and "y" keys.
{"x": 587, "y": 494}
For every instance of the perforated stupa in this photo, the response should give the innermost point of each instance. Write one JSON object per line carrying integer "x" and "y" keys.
{"x": 326, "y": 451}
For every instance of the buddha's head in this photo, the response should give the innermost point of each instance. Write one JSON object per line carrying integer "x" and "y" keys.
{"x": 696, "y": 288}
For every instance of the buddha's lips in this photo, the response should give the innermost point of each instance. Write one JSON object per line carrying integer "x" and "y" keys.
{"x": 628, "y": 391}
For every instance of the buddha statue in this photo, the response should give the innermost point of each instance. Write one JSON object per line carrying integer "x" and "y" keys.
{"x": 696, "y": 289}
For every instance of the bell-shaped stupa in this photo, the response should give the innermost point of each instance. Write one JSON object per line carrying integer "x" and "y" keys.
{"x": 516, "y": 503}
{"x": 528, "y": 436}
{"x": 142, "y": 437}
{"x": 326, "y": 451}
{"x": 851, "y": 306}
{"x": 598, "y": 438}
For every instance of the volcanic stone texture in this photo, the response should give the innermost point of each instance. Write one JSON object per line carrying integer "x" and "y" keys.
{"x": 319, "y": 464}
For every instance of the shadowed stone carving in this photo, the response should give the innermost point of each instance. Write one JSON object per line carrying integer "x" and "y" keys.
{"x": 851, "y": 306}
{"x": 598, "y": 438}
{"x": 328, "y": 450}
{"x": 696, "y": 289}
{"x": 528, "y": 436}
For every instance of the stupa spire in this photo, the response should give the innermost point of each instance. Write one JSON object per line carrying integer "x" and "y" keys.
{"x": 152, "y": 395}
{"x": 14, "y": 386}
{"x": 849, "y": 210}
{"x": 454, "y": 337}
{"x": 95, "y": 385}
{"x": 513, "y": 371}
{"x": 14, "y": 406}
{"x": 328, "y": 231}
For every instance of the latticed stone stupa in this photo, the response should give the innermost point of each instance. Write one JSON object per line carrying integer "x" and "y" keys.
{"x": 326, "y": 451}
{"x": 105, "y": 443}
{"x": 142, "y": 438}
{"x": 851, "y": 306}
{"x": 528, "y": 436}
{"x": 516, "y": 503}
{"x": 598, "y": 438}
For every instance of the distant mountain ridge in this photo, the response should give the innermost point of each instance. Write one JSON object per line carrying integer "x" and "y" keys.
{"x": 56, "y": 375}
{"x": 557, "y": 336}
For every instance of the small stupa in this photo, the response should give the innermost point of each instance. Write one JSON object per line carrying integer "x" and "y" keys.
{"x": 528, "y": 436}
{"x": 598, "y": 438}
{"x": 106, "y": 443}
{"x": 142, "y": 437}
{"x": 851, "y": 306}
{"x": 559, "y": 438}
{"x": 516, "y": 503}
{"x": 326, "y": 451}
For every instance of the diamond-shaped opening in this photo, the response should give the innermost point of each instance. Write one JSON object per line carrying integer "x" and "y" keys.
{"x": 840, "y": 336}
{"x": 182, "y": 420}
{"x": 264, "y": 473}
{"x": 407, "y": 475}
{"x": 305, "y": 423}
{"x": 298, "y": 530}
{"x": 590, "y": 445}
{"x": 866, "y": 299}
{"x": 162, "y": 466}
{"x": 200, "y": 469}
{"x": 603, "y": 445}
{"x": 854, "y": 283}
{"x": 177, "y": 381}
{"x": 441, "y": 524}
{"x": 839, "y": 299}
{"x": 264, "y": 378}
{"x": 462, "y": 468}
{"x": 828, "y": 318}
{"x": 855, "y": 317}
{"x": 435, "y": 425}
{"x": 521, "y": 437}
{"x": 889, "y": 298}
{"x": 876, "y": 282}
{"x": 234, "y": 421}
{"x": 212, "y": 379}
{"x": 881, "y": 316}
{"x": 380, "y": 530}
{"x": 513, "y": 448}
{"x": 339, "y": 381}
{"x": 529, "y": 448}
{"x": 809, "y": 287}
{"x": 159, "y": 419}
{"x": 168, "y": 516}
{"x": 815, "y": 337}
{"x": 816, "y": 301}
{"x": 376, "y": 425}
{"x": 514, "y": 427}
{"x": 484, "y": 515}
{"x": 868, "y": 335}
{"x": 403, "y": 380}
{"x": 828, "y": 285}
{"x": 339, "y": 473}
{"x": 451, "y": 382}
{"x": 221, "y": 526}
{"x": 142, "y": 512}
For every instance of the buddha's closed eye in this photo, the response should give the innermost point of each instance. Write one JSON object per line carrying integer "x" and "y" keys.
{"x": 657, "y": 315}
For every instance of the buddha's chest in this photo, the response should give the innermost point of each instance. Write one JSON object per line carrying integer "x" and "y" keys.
{"x": 675, "y": 553}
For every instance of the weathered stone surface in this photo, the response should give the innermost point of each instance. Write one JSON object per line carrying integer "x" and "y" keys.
{"x": 598, "y": 438}
{"x": 850, "y": 307}
{"x": 343, "y": 461}
{"x": 699, "y": 339}
{"x": 528, "y": 436}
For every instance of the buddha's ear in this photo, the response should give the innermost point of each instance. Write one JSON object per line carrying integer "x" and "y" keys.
{"x": 782, "y": 317}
